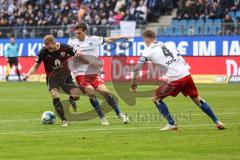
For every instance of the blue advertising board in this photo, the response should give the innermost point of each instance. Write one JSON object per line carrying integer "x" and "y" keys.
{"x": 188, "y": 46}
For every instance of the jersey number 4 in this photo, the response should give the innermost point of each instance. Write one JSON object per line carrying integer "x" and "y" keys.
{"x": 166, "y": 52}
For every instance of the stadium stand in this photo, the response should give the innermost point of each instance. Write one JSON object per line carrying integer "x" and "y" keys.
{"x": 201, "y": 17}
{"x": 20, "y": 13}
{"x": 30, "y": 18}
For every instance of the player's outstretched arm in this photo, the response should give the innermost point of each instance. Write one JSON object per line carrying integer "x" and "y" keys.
{"x": 85, "y": 60}
{"x": 136, "y": 70}
{"x": 32, "y": 70}
{"x": 114, "y": 38}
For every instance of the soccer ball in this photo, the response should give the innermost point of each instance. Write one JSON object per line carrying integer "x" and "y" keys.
{"x": 48, "y": 117}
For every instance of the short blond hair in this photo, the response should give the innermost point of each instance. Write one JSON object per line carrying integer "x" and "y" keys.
{"x": 48, "y": 38}
{"x": 149, "y": 34}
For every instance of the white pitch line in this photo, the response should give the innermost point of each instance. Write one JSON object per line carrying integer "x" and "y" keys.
{"x": 104, "y": 129}
{"x": 142, "y": 114}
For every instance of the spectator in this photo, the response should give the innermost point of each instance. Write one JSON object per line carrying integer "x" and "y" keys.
{"x": 153, "y": 10}
{"x": 226, "y": 4}
{"x": 129, "y": 16}
{"x": 111, "y": 19}
{"x": 189, "y": 10}
{"x": 24, "y": 13}
{"x": 119, "y": 4}
{"x": 200, "y": 9}
{"x": 141, "y": 11}
{"x": 238, "y": 26}
{"x": 215, "y": 11}
{"x": 164, "y": 5}
{"x": 133, "y": 8}
{"x": 228, "y": 25}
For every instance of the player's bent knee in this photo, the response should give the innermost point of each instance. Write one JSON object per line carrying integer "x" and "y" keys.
{"x": 75, "y": 94}
{"x": 156, "y": 99}
{"x": 91, "y": 95}
{"x": 106, "y": 94}
{"x": 55, "y": 94}
{"x": 197, "y": 100}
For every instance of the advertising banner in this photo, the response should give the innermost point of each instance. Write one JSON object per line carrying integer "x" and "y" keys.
{"x": 188, "y": 46}
{"x": 203, "y": 69}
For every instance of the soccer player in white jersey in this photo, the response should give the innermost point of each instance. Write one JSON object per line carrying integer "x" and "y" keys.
{"x": 86, "y": 75}
{"x": 177, "y": 78}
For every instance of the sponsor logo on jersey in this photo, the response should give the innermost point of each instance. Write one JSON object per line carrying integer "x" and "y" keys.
{"x": 87, "y": 50}
{"x": 63, "y": 54}
{"x": 171, "y": 61}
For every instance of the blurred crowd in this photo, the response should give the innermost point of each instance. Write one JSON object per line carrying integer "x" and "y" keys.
{"x": 67, "y": 13}
{"x": 212, "y": 9}
{"x": 104, "y": 13}
{"x": 195, "y": 9}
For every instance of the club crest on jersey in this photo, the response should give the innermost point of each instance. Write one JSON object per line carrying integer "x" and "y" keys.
{"x": 63, "y": 54}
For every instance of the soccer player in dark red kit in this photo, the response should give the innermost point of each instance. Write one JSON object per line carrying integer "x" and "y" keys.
{"x": 54, "y": 56}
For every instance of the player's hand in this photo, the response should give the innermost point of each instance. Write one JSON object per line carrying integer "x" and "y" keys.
{"x": 133, "y": 87}
{"x": 78, "y": 54}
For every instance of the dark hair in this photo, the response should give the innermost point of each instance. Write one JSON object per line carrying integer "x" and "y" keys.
{"x": 82, "y": 26}
{"x": 149, "y": 34}
{"x": 12, "y": 36}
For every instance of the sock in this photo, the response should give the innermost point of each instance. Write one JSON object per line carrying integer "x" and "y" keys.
{"x": 97, "y": 107}
{"x": 18, "y": 73}
{"x": 163, "y": 109}
{"x": 73, "y": 103}
{"x": 111, "y": 101}
{"x": 71, "y": 99}
{"x": 207, "y": 109}
{"x": 7, "y": 77}
{"x": 8, "y": 69}
{"x": 59, "y": 108}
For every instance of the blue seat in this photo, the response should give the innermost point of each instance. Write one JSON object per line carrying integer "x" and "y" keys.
{"x": 159, "y": 32}
{"x": 185, "y": 30}
{"x": 237, "y": 14}
{"x": 191, "y": 22}
{"x": 205, "y": 30}
{"x": 168, "y": 31}
{"x": 212, "y": 30}
{"x": 196, "y": 30}
{"x": 217, "y": 21}
{"x": 190, "y": 25}
{"x": 183, "y": 22}
{"x": 177, "y": 31}
{"x": 208, "y": 22}
{"x": 232, "y": 14}
{"x": 219, "y": 28}
{"x": 234, "y": 19}
{"x": 199, "y": 22}
{"x": 165, "y": 32}
{"x": 201, "y": 29}
{"x": 175, "y": 22}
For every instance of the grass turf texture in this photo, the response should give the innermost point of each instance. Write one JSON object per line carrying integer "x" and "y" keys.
{"x": 22, "y": 136}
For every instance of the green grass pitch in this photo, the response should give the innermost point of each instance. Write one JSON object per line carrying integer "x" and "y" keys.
{"x": 23, "y": 137}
